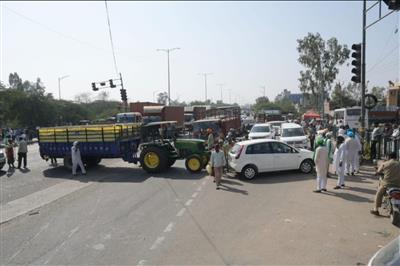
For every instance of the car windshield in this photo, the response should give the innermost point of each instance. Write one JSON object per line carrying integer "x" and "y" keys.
{"x": 292, "y": 132}
{"x": 259, "y": 129}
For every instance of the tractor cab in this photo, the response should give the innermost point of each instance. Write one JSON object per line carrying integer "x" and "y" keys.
{"x": 157, "y": 131}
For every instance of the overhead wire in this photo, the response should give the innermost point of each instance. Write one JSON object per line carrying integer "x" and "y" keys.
{"x": 52, "y": 30}
{"x": 383, "y": 59}
{"x": 111, "y": 39}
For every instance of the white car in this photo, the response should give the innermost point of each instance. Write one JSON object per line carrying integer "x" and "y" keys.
{"x": 261, "y": 131}
{"x": 293, "y": 134}
{"x": 2, "y": 159}
{"x": 251, "y": 157}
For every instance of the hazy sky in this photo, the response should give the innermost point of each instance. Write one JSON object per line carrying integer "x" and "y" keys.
{"x": 244, "y": 44}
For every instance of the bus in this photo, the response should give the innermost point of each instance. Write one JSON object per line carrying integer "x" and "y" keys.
{"x": 131, "y": 117}
{"x": 350, "y": 116}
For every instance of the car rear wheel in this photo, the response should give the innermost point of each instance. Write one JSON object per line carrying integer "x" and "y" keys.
{"x": 306, "y": 166}
{"x": 249, "y": 172}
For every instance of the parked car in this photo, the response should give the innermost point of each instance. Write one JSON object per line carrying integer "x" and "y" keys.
{"x": 2, "y": 159}
{"x": 261, "y": 131}
{"x": 293, "y": 134}
{"x": 251, "y": 157}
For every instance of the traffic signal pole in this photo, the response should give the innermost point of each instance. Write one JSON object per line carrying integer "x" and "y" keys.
{"x": 363, "y": 46}
{"x": 125, "y": 102}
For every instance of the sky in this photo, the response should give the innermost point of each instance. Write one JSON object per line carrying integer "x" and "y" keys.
{"x": 244, "y": 45}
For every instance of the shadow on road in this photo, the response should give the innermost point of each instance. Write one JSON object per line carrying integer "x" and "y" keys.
{"x": 348, "y": 196}
{"x": 102, "y": 173}
{"x": 222, "y": 186}
{"x": 279, "y": 177}
{"x": 2, "y": 173}
{"x": 363, "y": 190}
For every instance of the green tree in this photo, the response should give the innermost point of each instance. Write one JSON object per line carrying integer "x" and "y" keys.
{"x": 320, "y": 59}
{"x": 162, "y": 98}
{"x": 341, "y": 96}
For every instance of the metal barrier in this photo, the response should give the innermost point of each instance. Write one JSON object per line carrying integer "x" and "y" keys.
{"x": 384, "y": 146}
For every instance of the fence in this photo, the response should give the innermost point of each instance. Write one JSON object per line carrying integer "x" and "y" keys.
{"x": 384, "y": 146}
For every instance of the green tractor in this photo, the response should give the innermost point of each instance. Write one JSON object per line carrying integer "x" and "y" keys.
{"x": 161, "y": 147}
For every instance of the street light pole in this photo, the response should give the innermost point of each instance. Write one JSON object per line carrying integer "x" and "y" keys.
{"x": 263, "y": 87}
{"x": 169, "y": 75}
{"x": 220, "y": 86}
{"x": 205, "y": 84}
{"x": 59, "y": 85}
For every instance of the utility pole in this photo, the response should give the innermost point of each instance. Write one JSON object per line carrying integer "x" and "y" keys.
{"x": 205, "y": 84}
{"x": 220, "y": 86}
{"x": 59, "y": 85}
{"x": 263, "y": 87}
{"x": 169, "y": 75}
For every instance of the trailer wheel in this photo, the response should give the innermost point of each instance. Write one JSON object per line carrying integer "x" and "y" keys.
{"x": 68, "y": 162}
{"x": 194, "y": 163}
{"x": 153, "y": 160}
{"x": 92, "y": 161}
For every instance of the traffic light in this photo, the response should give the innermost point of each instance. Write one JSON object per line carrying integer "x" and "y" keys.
{"x": 94, "y": 87}
{"x": 124, "y": 97}
{"x": 112, "y": 85}
{"x": 356, "y": 55}
{"x": 393, "y": 4}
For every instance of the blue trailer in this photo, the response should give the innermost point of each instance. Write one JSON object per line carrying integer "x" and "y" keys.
{"x": 96, "y": 142}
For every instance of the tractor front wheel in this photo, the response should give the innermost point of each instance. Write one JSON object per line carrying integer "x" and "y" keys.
{"x": 153, "y": 160}
{"x": 194, "y": 163}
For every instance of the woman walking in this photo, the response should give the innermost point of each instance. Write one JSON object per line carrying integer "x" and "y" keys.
{"x": 10, "y": 154}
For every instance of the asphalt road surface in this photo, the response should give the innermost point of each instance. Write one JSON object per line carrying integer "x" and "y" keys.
{"x": 122, "y": 216}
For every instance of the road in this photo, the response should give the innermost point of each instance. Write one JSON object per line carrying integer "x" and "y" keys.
{"x": 122, "y": 216}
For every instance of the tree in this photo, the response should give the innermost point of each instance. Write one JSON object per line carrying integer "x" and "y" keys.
{"x": 103, "y": 96}
{"x": 261, "y": 100}
{"x": 341, "y": 96}
{"x": 321, "y": 60}
{"x": 162, "y": 98}
{"x": 379, "y": 92}
{"x": 84, "y": 97}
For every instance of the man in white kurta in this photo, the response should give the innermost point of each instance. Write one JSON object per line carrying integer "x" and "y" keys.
{"x": 339, "y": 160}
{"x": 353, "y": 147}
{"x": 321, "y": 165}
{"x": 76, "y": 159}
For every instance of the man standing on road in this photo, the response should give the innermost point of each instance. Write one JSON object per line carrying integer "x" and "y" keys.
{"x": 321, "y": 165}
{"x": 339, "y": 160}
{"x": 210, "y": 139}
{"x": 353, "y": 147}
{"x": 391, "y": 178}
{"x": 22, "y": 151}
{"x": 76, "y": 159}
{"x": 217, "y": 161}
{"x": 329, "y": 146}
{"x": 376, "y": 134}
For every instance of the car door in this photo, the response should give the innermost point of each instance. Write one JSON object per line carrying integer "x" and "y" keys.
{"x": 284, "y": 156}
{"x": 261, "y": 155}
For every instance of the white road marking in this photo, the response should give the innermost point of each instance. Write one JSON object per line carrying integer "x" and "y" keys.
{"x": 169, "y": 227}
{"x": 204, "y": 183}
{"x": 199, "y": 189}
{"x": 99, "y": 246}
{"x": 158, "y": 241}
{"x": 195, "y": 195}
{"x": 25, "y": 243}
{"x": 181, "y": 212}
{"x": 188, "y": 202}
{"x": 141, "y": 262}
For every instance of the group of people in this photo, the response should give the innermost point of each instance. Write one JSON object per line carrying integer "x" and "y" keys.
{"x": 21, "y": 152}
{"x": 345, "y": 156}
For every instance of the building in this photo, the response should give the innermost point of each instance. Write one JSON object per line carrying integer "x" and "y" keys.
{"x": 393, "y": 96}
{"x": 295, "y": 98}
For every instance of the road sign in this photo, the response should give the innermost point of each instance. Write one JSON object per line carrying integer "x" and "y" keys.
{"x": 370, "y": 101}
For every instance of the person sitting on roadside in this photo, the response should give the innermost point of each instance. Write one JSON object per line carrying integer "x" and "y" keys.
{"x": 391, "y": 178}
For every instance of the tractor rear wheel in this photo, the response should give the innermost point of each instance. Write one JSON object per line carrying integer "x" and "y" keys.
{"x": 194, "y": 163}
{"x": 92, "y": 161}
{"x": 68, "y": 162}
{"x": 153, "y": 159}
